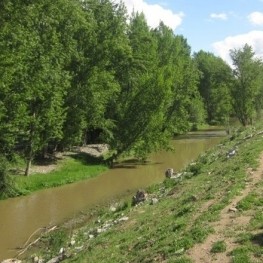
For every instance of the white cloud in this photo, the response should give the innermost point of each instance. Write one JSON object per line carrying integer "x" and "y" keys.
{"x": 253, "y": 38}
{"x": 256, "y": 18}
{"x": 222, "y": 16}
{"x": 155, "y": 13}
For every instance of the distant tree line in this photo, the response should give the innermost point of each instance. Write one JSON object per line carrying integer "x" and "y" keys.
{"x": 74, "y": 72}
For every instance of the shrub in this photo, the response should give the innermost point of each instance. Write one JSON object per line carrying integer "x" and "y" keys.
{"x": 218, "y": 247}
{"x": 7, "y": 188}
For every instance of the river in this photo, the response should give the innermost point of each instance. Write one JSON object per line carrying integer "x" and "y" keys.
{"x": 21, "y": 216}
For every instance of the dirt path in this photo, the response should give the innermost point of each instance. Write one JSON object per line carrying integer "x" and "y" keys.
{"x": 229, "y": 221}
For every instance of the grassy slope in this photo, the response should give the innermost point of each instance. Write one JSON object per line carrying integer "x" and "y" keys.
{"x": 184, "y": 217}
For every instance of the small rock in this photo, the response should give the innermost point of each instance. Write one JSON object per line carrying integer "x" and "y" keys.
{"x": 72, "y": 242}
{"x": 11, "y": 260}
{"x": 180, "y": 251}
{"x": 91, "y": 236}
{"x": 125, "y": 218}
{"x": 100, "y": 230}
{"x": 113, "y": 209}
{"x": 61, "y": 251}
{"x": 178, "y": 175}
{"x": 154, "y": 201}
{"x": 193, "y": 198}
{"x": 140, "y": 196}
{"x": 231, "y": 153}
{"x": 79, "y": 248}
{"x": 98, "y": 221}
{"x": 54, "y": 260}
{"x": 233, "y": 209}
{"x": 107, "y": 225}
{"x": 169, "y": 172}
{"x": 35, "y": 259}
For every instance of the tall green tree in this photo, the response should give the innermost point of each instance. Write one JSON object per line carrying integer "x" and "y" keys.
{"x": 214, "y": 86}
{"x": 183, "y": 102}
{"x": 98, "y": 70}
{"x": 33, "y": 37}
{"x": 12, "y": 48}
{"x": 138, "y": 100}
{"x": 161, "y": 88}
{"x": 247, "y": 88}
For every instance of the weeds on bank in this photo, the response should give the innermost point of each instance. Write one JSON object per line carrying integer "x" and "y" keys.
{"x": 57, "y": 240}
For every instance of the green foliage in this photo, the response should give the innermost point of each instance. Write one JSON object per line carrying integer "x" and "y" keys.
{"x": 250, "y": 201}
{"x": 256, "y": 222}
{"x": 218, "y": 247}
{"x": 57, "y": 240}
{"x": 160, "y": 97}
{"x": 7, "y": 187}
{"x": 214, "y": 86}
{"x": 34, "y": 90}
{"x": 240, "y": 255}
{"x": 75, "y": 72}
{"x": 71, "y": 69}
{"x": 3, "y": 175}
{"x": 98, "y": 69}
{"x": 200, "y": 232}
{"x": 195, "y": 168}
{"x": 247, "y": 88}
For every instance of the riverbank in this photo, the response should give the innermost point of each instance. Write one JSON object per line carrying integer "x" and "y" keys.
{"x": 212, "y": 213}
{"x": 63, "y": 168}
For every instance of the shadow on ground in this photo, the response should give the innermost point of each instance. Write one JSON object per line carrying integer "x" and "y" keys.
{"x": 85, "y": 158}
{"x": 258, "y": 239}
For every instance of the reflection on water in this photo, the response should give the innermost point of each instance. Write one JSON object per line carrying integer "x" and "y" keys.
{"x": 20, "y": 217}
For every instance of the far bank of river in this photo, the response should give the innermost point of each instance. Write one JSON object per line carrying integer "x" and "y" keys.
{"x": 20, "y": 217}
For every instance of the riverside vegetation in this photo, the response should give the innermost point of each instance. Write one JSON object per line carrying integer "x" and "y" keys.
{"x": 68, "y": 168}
{"x": 213, "y": 213}
{"x": 75, "y": 72}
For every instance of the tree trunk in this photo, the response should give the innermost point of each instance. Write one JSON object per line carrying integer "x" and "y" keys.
{"x": 28, "y": 166}
{"x": 29, "y": 156}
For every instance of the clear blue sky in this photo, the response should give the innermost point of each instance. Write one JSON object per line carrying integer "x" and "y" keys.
{"x": 211, "y": 25}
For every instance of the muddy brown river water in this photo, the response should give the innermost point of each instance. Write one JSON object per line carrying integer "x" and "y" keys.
{"x": 20, "y": 217}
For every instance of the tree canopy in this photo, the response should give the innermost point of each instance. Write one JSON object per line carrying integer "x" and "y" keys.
{"x": 214, "y": 86}
{"x": 76, "y": 72}
{"x": 247, "y": 89}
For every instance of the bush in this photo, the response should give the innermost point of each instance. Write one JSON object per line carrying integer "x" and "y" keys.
{"x": 3, "y": 175}
{"x": 7, "y": 188}
{"x": 195, "y": 168}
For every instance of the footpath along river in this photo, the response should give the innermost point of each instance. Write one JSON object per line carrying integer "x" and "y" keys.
{"x": 20, "y": 217}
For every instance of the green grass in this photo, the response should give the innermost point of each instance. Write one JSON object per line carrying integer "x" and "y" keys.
{"x": 241, "y": 255}
{"x": 253, "y": 199}
{"x": 218, "y": 247}
{"x": 164, "y": 232}
{"x": 72, "y": 169}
